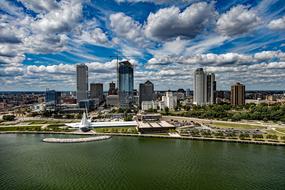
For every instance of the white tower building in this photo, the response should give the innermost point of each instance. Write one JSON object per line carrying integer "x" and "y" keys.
{"x": 204, "y": 87}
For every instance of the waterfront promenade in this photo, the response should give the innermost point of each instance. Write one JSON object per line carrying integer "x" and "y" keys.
{"x": 264, "y": 142}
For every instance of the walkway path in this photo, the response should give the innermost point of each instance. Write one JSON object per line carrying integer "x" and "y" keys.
{"x": 75, "y": 140}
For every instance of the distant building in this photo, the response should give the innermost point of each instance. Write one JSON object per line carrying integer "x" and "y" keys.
{"x": 147, "y": 105}
{"x": 112, "y": 89}
{"x": 146, "y": 92}
{"x": 188, "y": 92}
{"x": 238, "y": 94}
{"x": 96, "y": 91}
{"x": 126, "y": 84}
{"x": 169, "y": 100}
{"x": 89, "y": 104}
{"x": 112, "y": 100}
{"x": 52, "y": 97}
{"x": 204, "y": 87}
{"x": 82, "y": 82}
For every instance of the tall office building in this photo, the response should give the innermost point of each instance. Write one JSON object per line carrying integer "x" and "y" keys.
{"x": 126, "y": 83}
{"x": 188, "y": 92}
{"x": 112, "y": 88}
{"x": 146, "y": 92}
{"x": 52, "y": 97}
{"x": 204, "y": 87}
{"x": 96, "y": 91}
{"x": 82, "y": 82}
{"x": 238, "y": 94}
{"x": 210, "y": 89}
{"x": 169, "y": 100}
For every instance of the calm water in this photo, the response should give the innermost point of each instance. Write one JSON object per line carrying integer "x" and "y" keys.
{"x": 138, "y": 163}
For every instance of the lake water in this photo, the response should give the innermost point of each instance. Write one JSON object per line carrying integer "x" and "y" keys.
{"x": 138, "y": 163}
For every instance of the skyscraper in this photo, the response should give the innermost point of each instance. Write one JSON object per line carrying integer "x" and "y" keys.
{"x": 169, "y": 100}
{"x": 82, "y": 82}
{"x": 112, "y": 88}
{"x": 188, "y": 92}
{"x": 52, "y": 97}
{"x": 146, "y": 92}
{"x": 210, "y": 89}
{"x": 204, "y": 87}
{"x": 126, "y": 84}
{"x": 96, "y": 91}
{"x": 238, "y": 94}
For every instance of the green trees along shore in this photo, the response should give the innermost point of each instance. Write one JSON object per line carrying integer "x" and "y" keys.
{"x": 262, "y": 112}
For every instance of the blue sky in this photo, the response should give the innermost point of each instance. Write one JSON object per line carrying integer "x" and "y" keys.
{"x": 41, "y": 41}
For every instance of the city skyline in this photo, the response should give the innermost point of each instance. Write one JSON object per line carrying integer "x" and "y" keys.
{"x": 240, "y": 41}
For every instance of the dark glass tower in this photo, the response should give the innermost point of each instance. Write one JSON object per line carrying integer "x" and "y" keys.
{"x": 146, "y": 91}
{"x": 126, "y": 84}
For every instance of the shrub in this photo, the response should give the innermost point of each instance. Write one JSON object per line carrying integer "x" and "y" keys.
{"x": 9, "y": 117}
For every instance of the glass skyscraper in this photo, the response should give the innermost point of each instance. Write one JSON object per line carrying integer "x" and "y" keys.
{"x": 126, "y": 83}
{"x": 82, "y": 82}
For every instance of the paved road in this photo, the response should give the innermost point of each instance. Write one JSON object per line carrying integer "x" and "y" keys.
{"x": 254, "y": 123}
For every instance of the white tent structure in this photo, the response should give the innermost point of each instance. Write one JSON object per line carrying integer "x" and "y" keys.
{"x": 86, "y": 124}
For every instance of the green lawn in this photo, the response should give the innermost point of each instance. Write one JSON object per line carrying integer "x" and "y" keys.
{"x": 235, "y": 125}
{"x": 282, "y": 130}
{"x": 54, "y": 127}
{"x": 43, "y": 122}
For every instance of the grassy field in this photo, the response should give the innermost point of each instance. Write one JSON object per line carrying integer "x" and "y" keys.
{"x": 54, "y": 127}
{"x": 131, "y": 130}
{"x": 43, "y": 122}
{"x": 282, "y": 130}
{"x": 235, "y": 125}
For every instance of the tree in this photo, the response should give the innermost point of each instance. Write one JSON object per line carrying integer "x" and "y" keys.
{"x": 166, "y": 110}
{"x": 272, "y": 137}
{"x": 128, "y": 118}
{"x": 9, "y": 117}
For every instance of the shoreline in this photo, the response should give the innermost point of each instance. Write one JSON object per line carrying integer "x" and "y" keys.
{"x": 152, "y": 136}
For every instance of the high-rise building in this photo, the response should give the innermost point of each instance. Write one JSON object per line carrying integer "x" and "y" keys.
{"x": 52, "y": 97}
{"x": 188, "y": 92}
{"x": 204, "y": 87}
{"x": 211, "y": 89}
{"x": 112, "y": 88}
{"x": 146, "y": 92}
{"x": 126, "y": 84}
{"x": 82, "y": 82}
{"x": 169, "y": 100}
{"x": 238, "y": 94}
{"x": 96, "y": 91}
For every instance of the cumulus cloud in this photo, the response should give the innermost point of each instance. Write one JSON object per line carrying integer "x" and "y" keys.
{"x": 170, "y": 22}
{"x": 39, "y": 6}
{"x": 157, "y": 1}
{"x": 238, "y": 20}
{"x": 226, "y": 59}
{"x": 8, "y": 36}
{"x": 90, "y": 32}
{"x": 277, "y": 24}
{"x": 124, "y": 26}
{"x": 59, "y": 20}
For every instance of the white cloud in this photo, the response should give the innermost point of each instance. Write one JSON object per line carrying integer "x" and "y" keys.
{"x": 125, "y": 27}
{"x": 59, "y": 20}
{"x": 238, "y": 20}
{"x": 40, "y": 5}
{"x": 157, "y": 1}
{"x": 170, "y": 22}
{"x": 277, "y": 24}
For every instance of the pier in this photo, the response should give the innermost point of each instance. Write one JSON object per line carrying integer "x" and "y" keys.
{"x": 75, "y": 140}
